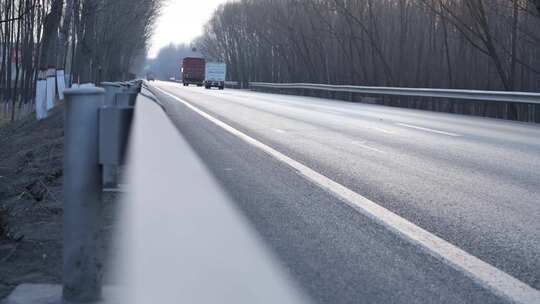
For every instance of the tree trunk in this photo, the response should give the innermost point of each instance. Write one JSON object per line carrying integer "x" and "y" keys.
{"x": 50, "y": 35}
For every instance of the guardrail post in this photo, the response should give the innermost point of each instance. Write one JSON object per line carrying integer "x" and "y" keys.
{"x": 126, "y": 98}
{"x": 110, "y": 172}
{"x": 82, "y": 262}
{"x": 111, "y": 89}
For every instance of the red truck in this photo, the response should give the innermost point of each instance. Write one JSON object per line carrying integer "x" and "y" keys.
{"x": 193, "y": 71}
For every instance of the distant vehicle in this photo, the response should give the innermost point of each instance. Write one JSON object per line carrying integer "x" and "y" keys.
{"x": 193, "y": 71}
{"x": 215, "y": 75}
{"x": 150, "y": 77}
{"x": 172, "y": 79}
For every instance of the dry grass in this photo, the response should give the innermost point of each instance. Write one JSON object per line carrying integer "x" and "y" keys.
{"x": 22, "y": 112}
{"x": 3, "y": 122}
{"x": 3, "y": 119}
{"x": 3, "y": 223}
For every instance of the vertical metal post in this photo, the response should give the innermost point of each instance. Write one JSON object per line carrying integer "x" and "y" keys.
{"x": 82, "y": 261}
{"x": 126, "y": 99}
{"x": 111, "y": 89}
{"x": 110, "y": 172}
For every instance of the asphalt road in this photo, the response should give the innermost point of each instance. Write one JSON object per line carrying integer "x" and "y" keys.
{"x": 472, "y": 181}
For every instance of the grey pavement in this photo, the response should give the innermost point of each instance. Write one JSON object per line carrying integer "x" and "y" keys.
{"x": 474, "y": 182}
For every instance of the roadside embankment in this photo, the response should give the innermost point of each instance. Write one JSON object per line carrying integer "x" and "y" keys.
{"x": 31, "y": 176}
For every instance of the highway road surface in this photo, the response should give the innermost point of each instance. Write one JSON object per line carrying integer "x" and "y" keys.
{"x": 372, "y": 204}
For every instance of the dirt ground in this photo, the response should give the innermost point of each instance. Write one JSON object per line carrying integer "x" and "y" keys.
{"x": 31, "y": 157}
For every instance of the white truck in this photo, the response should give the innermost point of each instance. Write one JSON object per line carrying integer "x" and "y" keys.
{"x": 215, "y": 74}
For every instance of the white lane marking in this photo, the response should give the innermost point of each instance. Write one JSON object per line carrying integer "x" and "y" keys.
{"x": 383, "y": 130}
{"x": 488, "y": 276}
{"x": 363, "y": 145}
{"x": 327, "y": 111}
{"x": 428, "y": 130}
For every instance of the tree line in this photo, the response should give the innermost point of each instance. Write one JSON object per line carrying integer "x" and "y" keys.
{"x": 469, "y": 44}
{"x": 91, "y": 40}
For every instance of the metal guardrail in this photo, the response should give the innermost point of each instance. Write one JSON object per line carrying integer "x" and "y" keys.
{"x": 232, "y": 84}
{"x": 180, "y": 237}
{"x": 474, "y": 95}
{"x": 97, "y": 124}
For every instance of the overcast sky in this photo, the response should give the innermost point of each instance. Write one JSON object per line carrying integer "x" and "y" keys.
{"x": 181, "y": 21}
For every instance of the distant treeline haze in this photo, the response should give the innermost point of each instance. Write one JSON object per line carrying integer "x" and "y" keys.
{"x": 92, "y": 40}
{"x": 480, "y": 44}
{"x": 168, "y": 62}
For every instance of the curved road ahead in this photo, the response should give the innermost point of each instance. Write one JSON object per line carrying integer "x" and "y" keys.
{"x": 471, "y": 181}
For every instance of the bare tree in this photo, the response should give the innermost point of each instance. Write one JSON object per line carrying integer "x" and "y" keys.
{"x": 427, "y": 43}
{"x": 50, "y": 34}
{"x": 100, "y": 39}
{"x": 471, "y": 44}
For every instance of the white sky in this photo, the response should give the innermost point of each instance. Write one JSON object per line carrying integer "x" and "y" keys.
{"x": 181, "y": 21}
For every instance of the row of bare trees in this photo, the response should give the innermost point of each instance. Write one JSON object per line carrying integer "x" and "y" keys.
{"x": 91, "y": 40}
{"x": 480, "y": 44}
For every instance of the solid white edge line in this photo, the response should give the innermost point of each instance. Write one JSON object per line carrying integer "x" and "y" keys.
{"x": 488, "y": 276}
{"x": 427, "y": 129}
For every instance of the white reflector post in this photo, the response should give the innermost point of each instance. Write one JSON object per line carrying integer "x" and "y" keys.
{"x": 51, "y": 88}
{"x": 41, "y": 95}
{"x": 61, "y": 83}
